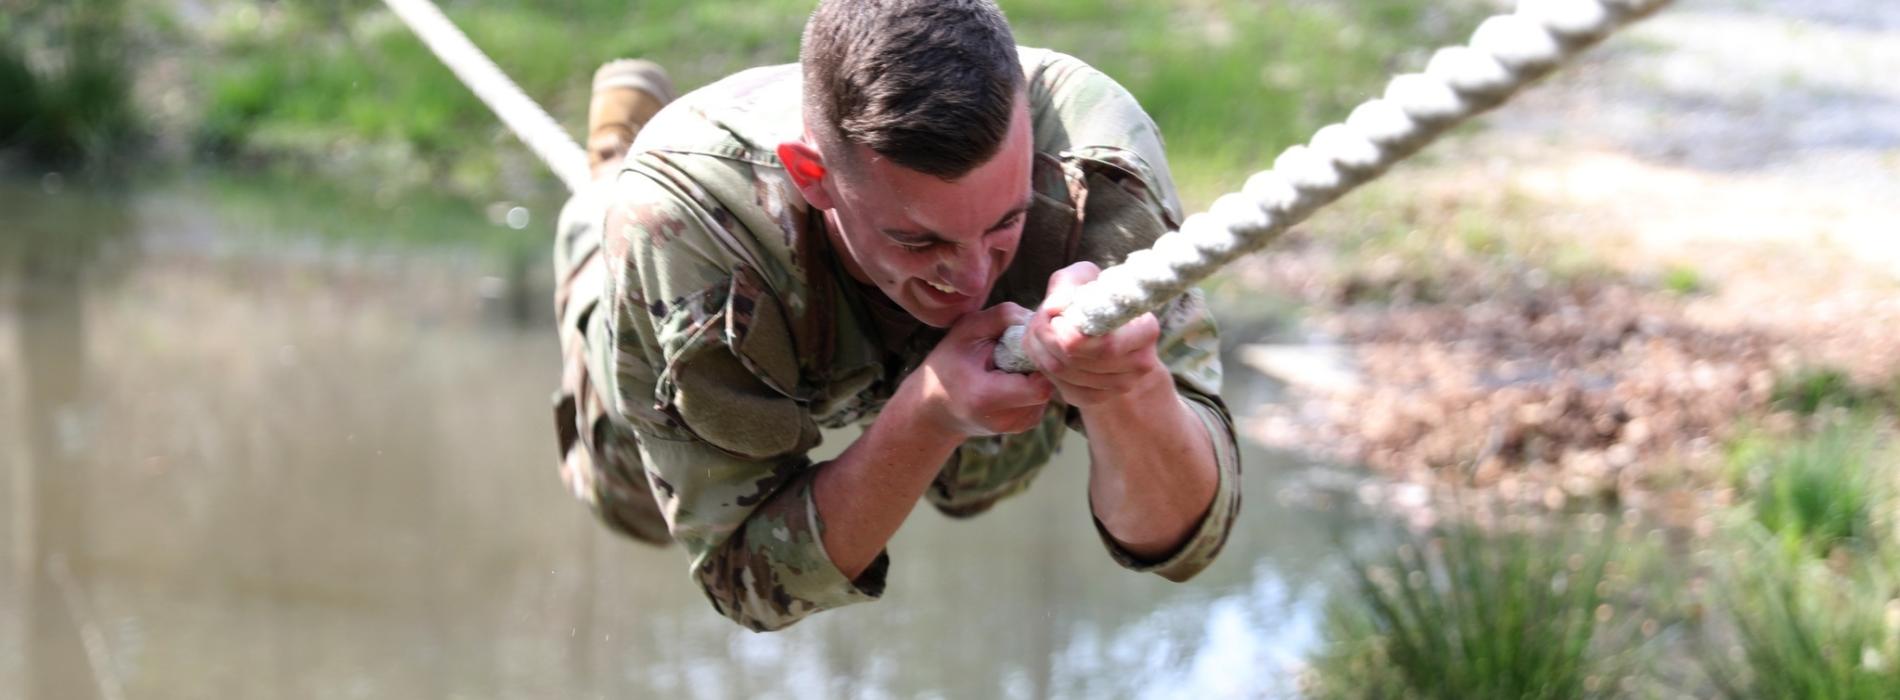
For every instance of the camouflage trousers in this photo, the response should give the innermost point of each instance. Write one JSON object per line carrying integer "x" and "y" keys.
{"x": 600, "y": 459}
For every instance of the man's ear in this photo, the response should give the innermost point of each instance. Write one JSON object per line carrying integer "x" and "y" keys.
{"x": 808, "y": 172}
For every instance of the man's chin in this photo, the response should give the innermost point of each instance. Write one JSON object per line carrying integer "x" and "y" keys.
{"x": 937, "y": 318}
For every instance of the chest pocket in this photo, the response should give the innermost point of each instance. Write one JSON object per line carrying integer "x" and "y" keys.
{"x": 731, "y": 371}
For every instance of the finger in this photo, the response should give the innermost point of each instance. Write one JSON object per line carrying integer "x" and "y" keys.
{"x": 1078, "y": 379}
{"x": 1063, "y": 283}
{"x": 1017, "y": 421}
{"x": 1068, "y": 340}
{"x": 1134, "y": 338}
{"x": 990, "y": 323}
{"x": 1062, "y": 366}
{"x": 1057, "y": 353}
{"x": 1037, "y": 351}
{"x": 1017, "y": 391}
{"x": 1044, "y": 386}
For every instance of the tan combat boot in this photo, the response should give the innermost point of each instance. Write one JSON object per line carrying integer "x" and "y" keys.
{"x": 627, "y": 93}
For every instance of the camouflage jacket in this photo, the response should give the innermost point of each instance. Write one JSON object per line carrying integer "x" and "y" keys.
{"x": 731, "y": 335}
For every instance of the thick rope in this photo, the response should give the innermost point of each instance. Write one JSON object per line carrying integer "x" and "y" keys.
{"x": 1506, "y": 53}
{"x": 531, "y": 124}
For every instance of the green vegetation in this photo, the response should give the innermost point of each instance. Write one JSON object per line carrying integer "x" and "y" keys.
{"x": 1682, "y": 280}
{"x": 1801, "y": 598}
{"x": 1466, "y": 613}
{"x": 1804, "y": 628}
{"x": 1818, "y": 491}
{"x": 1814, "y": 389}
{"x": 342, "y": 88}
{"x": 72, "y": 106}
{"x": 1812, "y": 592}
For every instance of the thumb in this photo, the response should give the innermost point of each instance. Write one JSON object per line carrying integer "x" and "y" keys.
{"x": 990, "y": 323}
{"x": 1064, "y": 282}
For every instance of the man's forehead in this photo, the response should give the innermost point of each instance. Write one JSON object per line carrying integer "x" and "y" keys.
{"x": 914, "y": 203}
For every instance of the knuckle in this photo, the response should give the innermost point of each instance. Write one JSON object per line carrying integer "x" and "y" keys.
{"x": 1054, "y": 364}
{"x": 1074, "y": 344}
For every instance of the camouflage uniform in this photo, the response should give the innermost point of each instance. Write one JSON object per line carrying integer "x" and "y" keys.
{"x": 710, "y": 332}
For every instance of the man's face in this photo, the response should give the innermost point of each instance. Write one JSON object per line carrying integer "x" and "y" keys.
{"x": 934, "y": 247}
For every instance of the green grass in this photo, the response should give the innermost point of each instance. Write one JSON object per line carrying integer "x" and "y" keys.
{"x": 1230, "y": 82}
{"x": 1809, "y": 602}
{"x": 1682, "y": 280}
{"x": 1814, "y": 389}
{"x": 1470, "y": 614}
{"x": 68, "y": 89}
{"x": 1802, "y": 629}
{"x": 1820, "y": 491}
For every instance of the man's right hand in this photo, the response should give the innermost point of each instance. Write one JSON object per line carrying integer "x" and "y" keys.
{"x": 962, "y": 390}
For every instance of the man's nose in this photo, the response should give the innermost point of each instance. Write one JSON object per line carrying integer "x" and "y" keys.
{"x": 968, "y": 270}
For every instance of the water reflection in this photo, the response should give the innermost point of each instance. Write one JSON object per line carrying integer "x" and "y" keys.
{"x": 47, "y": 265}
{"x": 308, "y": 475}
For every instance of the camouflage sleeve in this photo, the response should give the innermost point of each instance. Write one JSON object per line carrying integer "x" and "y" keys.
{"x": 722, "y": 441}
{"x": 985, "y": 470}
{"x": 1129, "y": 201}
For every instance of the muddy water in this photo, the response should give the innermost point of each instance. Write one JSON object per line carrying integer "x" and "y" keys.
{"x": 248, "y": 463}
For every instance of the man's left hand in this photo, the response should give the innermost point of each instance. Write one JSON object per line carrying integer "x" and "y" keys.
{"x": 1093, "y": 371}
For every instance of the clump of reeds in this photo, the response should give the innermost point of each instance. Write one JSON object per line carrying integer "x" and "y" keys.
{"x": 1812, "y": 596}
{"x": 1467, "y": 612}
{"x": 1819, "y": 491}
{"x": 1809, "y": 628}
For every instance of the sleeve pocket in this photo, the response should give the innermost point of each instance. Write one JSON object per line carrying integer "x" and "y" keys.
{"x": 731, "y": 374}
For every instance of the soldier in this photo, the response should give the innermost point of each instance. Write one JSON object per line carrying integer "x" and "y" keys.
{"x": 840, "y": 242}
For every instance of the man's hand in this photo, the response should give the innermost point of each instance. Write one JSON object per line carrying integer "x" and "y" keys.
{"x": 1091, "y": 371}
{"x": 1152, "y": 474}
{"x": 964, "y": 392}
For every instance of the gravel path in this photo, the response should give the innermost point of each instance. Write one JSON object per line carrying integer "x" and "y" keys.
{"x": 1723, "y": 122}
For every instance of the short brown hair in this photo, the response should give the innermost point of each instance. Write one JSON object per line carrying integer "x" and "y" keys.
{"x": 929, "y": 84}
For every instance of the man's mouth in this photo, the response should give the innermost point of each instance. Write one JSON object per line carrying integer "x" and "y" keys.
{"x": 941, "y": 295}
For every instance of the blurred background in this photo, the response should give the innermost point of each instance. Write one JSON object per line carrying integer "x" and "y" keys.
{"x": 1595, "y": 398}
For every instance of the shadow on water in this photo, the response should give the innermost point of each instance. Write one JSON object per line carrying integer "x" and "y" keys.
{"x": 296, "y": 466}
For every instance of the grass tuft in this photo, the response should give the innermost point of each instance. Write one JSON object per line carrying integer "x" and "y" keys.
{"x": 1812, "y": 390}
{"x": 1803, "y": 629}
{"x": 1682, "y": 280}
{"x": 1465, "y": 613}
{"x": 1820, "y": 491}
